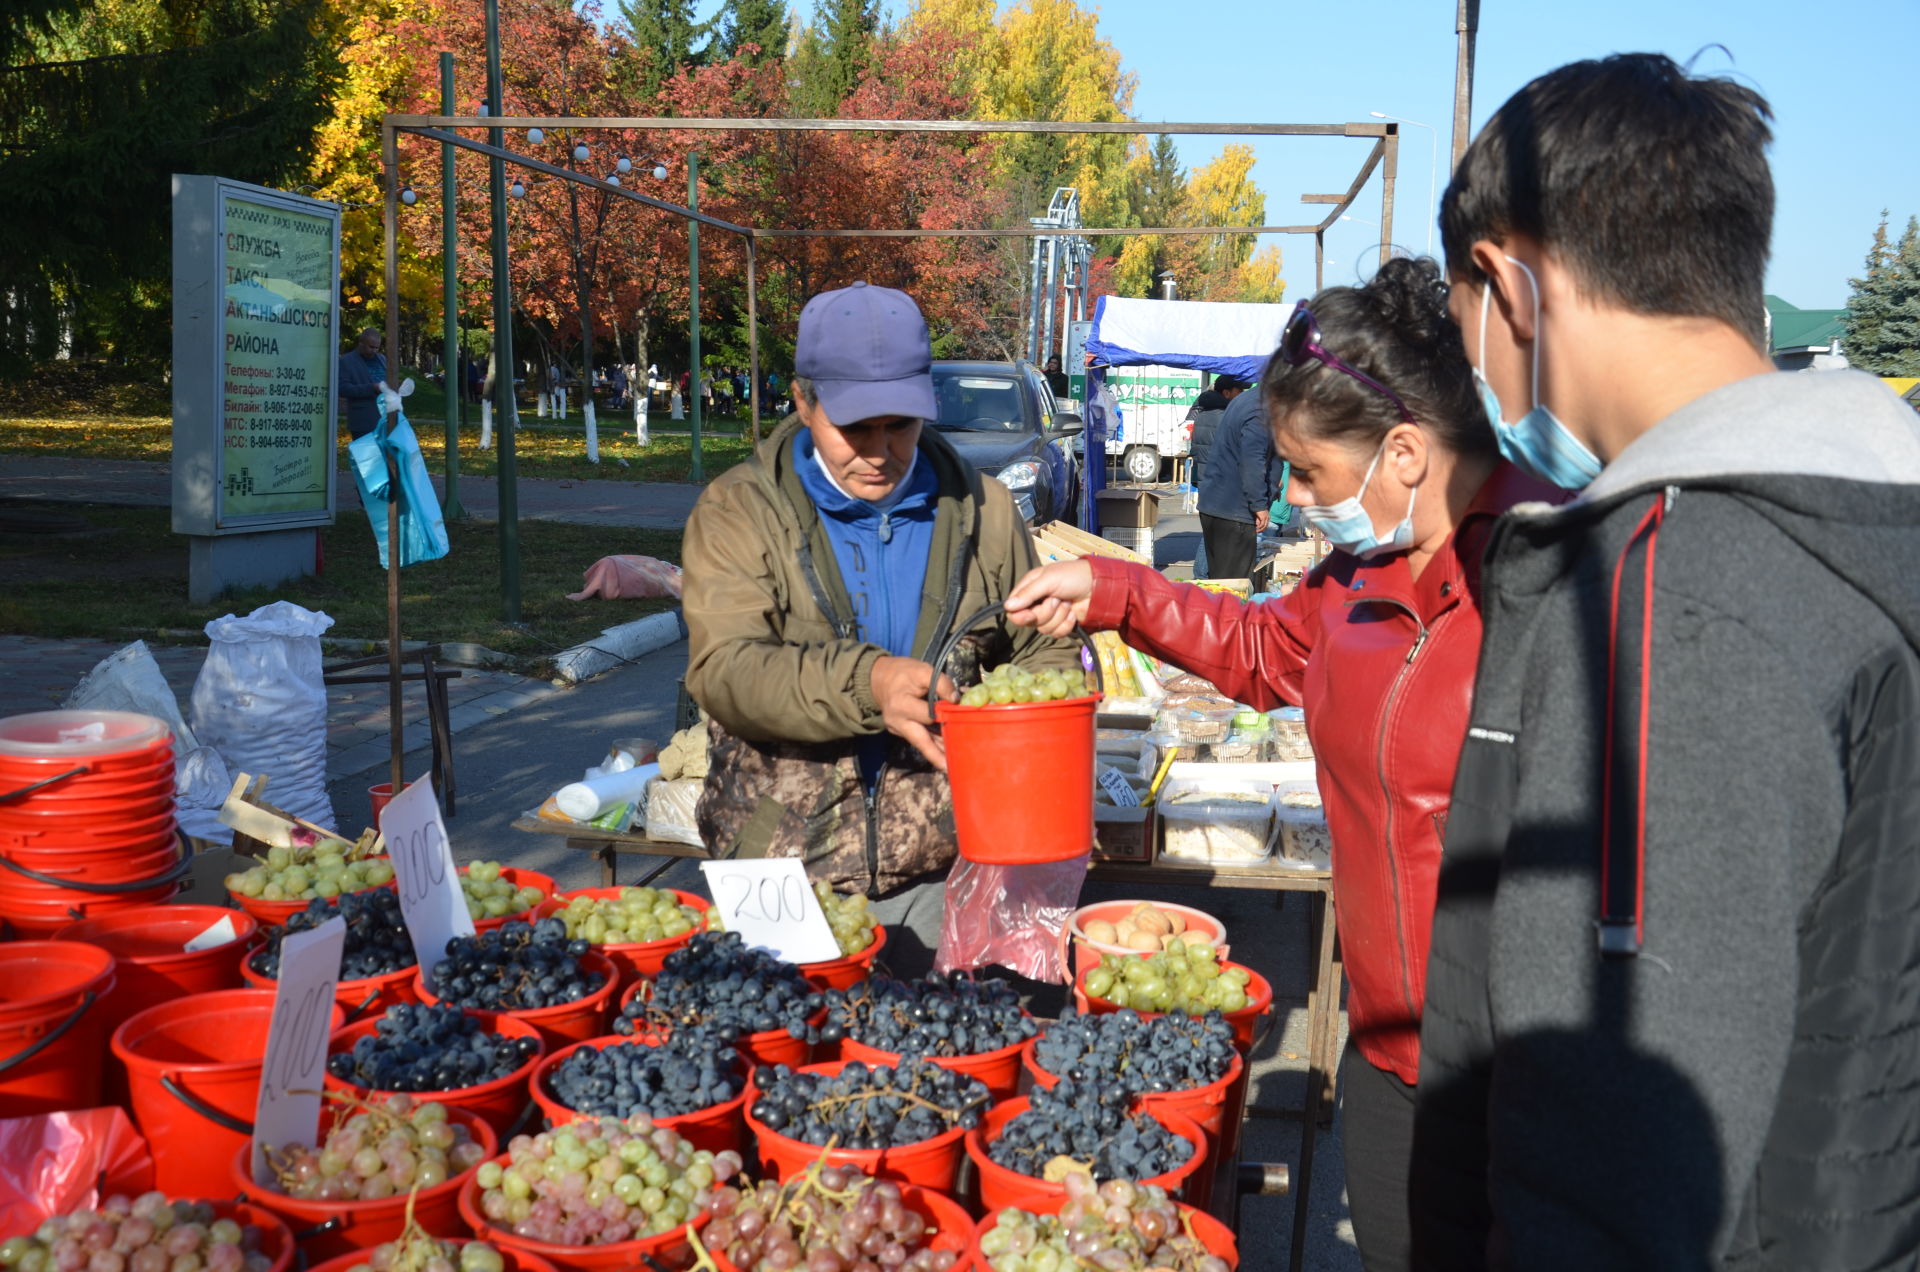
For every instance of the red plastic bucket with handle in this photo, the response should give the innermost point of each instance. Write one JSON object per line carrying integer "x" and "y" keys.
{"x": 1214, "y": 1235}
{"x": 515, "y": 1260}
{"x": 850, "y": 969}
{"x": 767, "y": 1047}
{"x": 635, "y": 960}
{"x": 357, "y": 999}
{"x": 520, "y": 879}
{"x": 193, "y": 1072}
{"x": 931, "y": 1163}
{"x": 670, "y": 1251}
{"x": 560, "y": 1025}
{"x": 999, "y": 1068}
{"x": 42, "y": 918}
{"x": 1000, "y": 1187}
{"x": 52, "y": 1024}
{"x": 949, "y": 1227}
{"x": 499, "y": 1103}
{"x": 715, "y": 1129}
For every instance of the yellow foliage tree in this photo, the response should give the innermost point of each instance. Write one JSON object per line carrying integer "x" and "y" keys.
{"x": 1258, "y": 279}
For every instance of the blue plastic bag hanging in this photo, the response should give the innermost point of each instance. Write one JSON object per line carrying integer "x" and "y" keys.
{"x": 423, "y": 531}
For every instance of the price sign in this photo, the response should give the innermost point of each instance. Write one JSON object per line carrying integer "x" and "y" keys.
{"x": 424, "y": 872}
{"x": 222, "y": 932}
{"x": 288, "y": 1111}
{"x": 1118, "y": 788}
{"x": 769, "y": 902}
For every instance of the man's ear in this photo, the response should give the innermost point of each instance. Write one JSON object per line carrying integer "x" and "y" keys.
{"x": 1513, "y": 292}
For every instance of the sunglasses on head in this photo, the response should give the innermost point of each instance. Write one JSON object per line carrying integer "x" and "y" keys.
{"x": 1300, "y": 344}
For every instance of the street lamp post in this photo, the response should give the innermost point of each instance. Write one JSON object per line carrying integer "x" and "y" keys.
{"x": 1433, "y": 170}
{"x": 449, "y": 305}
{"x": 504, "y": 405}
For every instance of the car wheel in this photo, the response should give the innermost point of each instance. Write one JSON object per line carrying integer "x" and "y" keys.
{"x": 1142, "y": 464}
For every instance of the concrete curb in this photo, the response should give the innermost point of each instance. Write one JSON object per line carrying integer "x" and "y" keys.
{"x": 619, "y": 644}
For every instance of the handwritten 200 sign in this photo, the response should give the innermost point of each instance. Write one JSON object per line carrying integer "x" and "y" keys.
{"x": 424, "y": 872}
{"x": 769, "y": 902}
{"x": 288, "y": 1111}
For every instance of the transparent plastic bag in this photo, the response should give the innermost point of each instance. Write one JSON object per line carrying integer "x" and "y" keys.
{"x": 57, "y": 1163}
{"x": 1010, "y": 915}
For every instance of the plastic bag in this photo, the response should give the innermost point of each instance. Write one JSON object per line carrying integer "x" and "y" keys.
{"x": 423, "y": 531}
{"x": 260, "y": 702}
{"x": 1010, "y": 915}
{"x": 671, "y": 809}
{"x": 57, "y": 1163}
{"x": 629, "y": 577}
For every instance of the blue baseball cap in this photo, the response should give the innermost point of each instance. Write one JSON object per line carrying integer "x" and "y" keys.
{"x": 867, "y": 352}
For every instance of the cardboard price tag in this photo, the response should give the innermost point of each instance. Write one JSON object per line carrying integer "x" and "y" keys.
{"x": 424, "y": 872}
{"x": 1119, "y": 788}
{"x": 770, "y": 903}
{"x": 221, "y": 933}
{"x": 288, "y": 1111}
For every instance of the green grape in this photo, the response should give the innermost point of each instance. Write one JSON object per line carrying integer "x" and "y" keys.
{"x": 490, "y": 896}
{"x": 1184, "y": 978}
{"x": 635, "y": 916}
{"x": 978, "y": 696}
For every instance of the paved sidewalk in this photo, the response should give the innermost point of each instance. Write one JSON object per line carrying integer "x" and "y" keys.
{"x": 652, "y": 505}
{"x": 35, "y": 674}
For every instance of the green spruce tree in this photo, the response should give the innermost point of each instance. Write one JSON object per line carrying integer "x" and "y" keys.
{"x": 758, "y": 22}
{"x": 1902, "y": 335}
{"x": 1881, "y": 332}
{"x": 1866, "y": 318}
{"x": 847, "y": 28}
{"x": 664, "y": 37}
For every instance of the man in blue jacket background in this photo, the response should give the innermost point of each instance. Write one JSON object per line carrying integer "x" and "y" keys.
{"x": 1237, "y": 487}
{"x": 363, "y": 373}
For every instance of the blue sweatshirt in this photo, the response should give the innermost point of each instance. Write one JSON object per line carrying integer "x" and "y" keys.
{"x": 882, "y": 556}
{"x": 1242, "y": 472}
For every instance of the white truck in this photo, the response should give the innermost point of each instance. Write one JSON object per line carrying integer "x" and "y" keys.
{"x": 1153, "y": 404}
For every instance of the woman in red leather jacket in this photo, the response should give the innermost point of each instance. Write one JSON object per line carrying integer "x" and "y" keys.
{"x": 1371, "y": 400}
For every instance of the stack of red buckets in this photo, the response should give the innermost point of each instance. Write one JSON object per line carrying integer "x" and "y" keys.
{"x": 86, "y": 817}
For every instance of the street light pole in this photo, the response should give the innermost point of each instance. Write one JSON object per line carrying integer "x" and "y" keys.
{"x": 509, "y": 477}
{"x": 1433, "y": 170}
{"x": 693, "y": 308}
{"x": 450, "y": 304}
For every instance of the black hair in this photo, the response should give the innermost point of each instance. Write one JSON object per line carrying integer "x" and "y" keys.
{"x": 1395, "y": 328}
{"x": 1650, "y": 183}
{"x": 1224, "y": 383}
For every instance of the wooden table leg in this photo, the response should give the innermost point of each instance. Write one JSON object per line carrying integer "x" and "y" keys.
{"x": 1322, "y": 1006}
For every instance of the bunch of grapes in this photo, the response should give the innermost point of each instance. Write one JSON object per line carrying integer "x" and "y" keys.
{"x": 831, "y": 1219}
{"x": 636, "y": 915}
{"x": 1078, "y": 1127}
{"x": 884, "y": 1106}
{"x": 325, "y": 869}
{"x": 491, "y": 897}
{"x": 596, "y": 1182}
{"x": 716, "y": 980}
{"x": 429, "y": 1048}
{"x": 1189, "y": 978}
{"x": 950, "y": 1015}
{"x": 852, "y": 921}
{"x": 1115, "y": 1227}
{"x": 1140, "y": 1055}
{"x": 1009, "y": 684}
{"x": 147, "y": 1233}
{"x": 515, "y": 967}
{"x": 418, "y": 1252}
{"x": 393, "y": 1146}
{"x": 377, "y": 940}
{"x": 691, "y": 1070}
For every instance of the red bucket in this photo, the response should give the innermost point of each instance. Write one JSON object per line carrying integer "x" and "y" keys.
{"x": 42, "y": 918}
{"x": 118, "y": 820}
{"x": 1214, "y": 1235}
{"x": 1243, "y": 1019}
{"x": 51, "y": 851}
{"x": 948, "y": 1225}
{"x": 768, "y": 1047}
{"x": 636, "y": 960}
{"x": 1000, "y": 1187}
{"x": 357, "y": 999}
{"x": 845, "y": 973}
{"x": 515, "y": 1260}
{"x": 138, "y": 868}
{"x": 276, "y": 913}
{"x": 52, "y": 1023}
{"x": 325, "y": 1229}
{"x": 715, "y": 1129}
{"x": 101, "y": 744}
{"x": 1007, "y": 808}
{"x": 520, "y": 879}
{"x": 932, "y": 1163}
{"x": 193, "y": 1071}
{"x": 560, "y": 1026}
{"x": 498, "y": 1103}
{"x": 670, "y": 1251}
{"x": 999, "y": 1068}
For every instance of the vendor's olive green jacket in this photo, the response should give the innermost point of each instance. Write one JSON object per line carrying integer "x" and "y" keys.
{"x": 787, "y": 686}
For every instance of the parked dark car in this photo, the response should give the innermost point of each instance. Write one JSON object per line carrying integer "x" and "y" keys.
{"x": 1003, "y": 419}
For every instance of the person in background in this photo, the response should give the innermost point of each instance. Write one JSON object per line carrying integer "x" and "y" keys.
{"x": 1057, "y": 379}
{"x": 1371, "y": 400}
{"x": 1239, "y": 479}
{"x": 1205, "y": 414}
{"x": 1676, "y": 956}
{"x": 822, "y": 576}
{"x": 363, "y": 374}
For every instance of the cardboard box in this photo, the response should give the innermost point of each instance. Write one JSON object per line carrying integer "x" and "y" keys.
{"x": 1123, "y": 834}
{"x": 1127, "y": 508}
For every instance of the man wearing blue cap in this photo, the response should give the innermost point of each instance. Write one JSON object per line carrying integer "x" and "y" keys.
{"x": 822, "y": 576}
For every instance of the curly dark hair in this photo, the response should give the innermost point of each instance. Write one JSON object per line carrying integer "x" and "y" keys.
{"x": 1395, "y": 328}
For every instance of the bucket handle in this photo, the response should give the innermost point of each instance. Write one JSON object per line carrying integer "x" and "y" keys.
{"x": 1090, "y": 660}
{"x": 45, "y": 781}
{"x": 172, "y": 874}
{"x": 204, "y": 1109}
{"x": 307, "y": 1234}
{"x": 361, "y": 1010}
{"x": 52, "y": 1035}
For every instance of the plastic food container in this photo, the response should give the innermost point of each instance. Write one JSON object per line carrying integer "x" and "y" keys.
{"x": 1304, "y": 840}
{"x": 1290, "y": 734}
{"x": 1222, "y": 822}
{"x": 1193, "y": 724}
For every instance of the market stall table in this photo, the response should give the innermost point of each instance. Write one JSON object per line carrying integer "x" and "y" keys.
{"x": 1323, "y": 999}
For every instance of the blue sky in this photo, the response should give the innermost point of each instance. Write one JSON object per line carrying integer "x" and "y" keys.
{"x": 1840, "y": 77}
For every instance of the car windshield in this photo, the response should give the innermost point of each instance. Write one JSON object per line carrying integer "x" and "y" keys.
{"x": 978, "y": 403}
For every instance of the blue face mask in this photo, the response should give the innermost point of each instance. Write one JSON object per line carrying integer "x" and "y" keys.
{"x": 1537, "y": 441}
{"x": 1347, "y": 526}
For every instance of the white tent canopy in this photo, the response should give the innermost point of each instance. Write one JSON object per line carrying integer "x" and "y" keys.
{"x": 1216, "y": 337}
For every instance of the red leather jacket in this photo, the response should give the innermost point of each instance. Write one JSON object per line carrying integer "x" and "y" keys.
{"x": 1384, "y": 665}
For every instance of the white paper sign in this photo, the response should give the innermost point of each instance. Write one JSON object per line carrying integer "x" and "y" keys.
{"x": 288, "y": 1111}
{"x": 1118, "y": 788}
{"x": 221, "y": 933}
{"x": 770, "y": 903}
{"x": 424, "y": 872}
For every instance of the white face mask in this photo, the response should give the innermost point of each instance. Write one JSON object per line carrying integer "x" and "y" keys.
{"x": 1347, "y": 526}
{"x": 1537, "y": 441}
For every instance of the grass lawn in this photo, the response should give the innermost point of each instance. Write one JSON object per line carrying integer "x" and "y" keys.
{"x": 126, "y": 576}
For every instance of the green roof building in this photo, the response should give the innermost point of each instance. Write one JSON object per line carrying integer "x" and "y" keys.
{"x": 1805, "y": 339}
